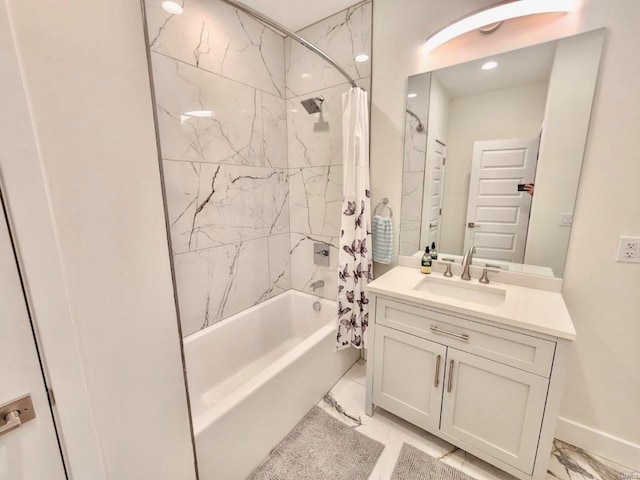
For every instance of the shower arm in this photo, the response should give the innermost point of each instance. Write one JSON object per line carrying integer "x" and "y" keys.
{"x": 420, "y": 125}
{"x": 285, "y": 31}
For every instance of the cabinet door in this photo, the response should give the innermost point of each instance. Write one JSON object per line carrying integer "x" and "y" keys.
{"x": 408, "y": 376}
{"x": 493, "y": 407}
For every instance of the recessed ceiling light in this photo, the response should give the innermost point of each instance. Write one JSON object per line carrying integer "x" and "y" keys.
{"x": 363, "y": 57}
{"x": 412, "y": 95}
{"x": 172, "y": 7}
{"x": 489, "y": 65}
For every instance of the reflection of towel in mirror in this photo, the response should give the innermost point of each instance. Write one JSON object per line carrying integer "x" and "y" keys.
{"x": 382, "y": 233}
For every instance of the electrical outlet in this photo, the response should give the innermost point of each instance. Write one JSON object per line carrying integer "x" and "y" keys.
{"x": 629, "y": 250}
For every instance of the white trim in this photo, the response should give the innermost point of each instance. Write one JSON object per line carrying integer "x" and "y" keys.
{"x": 30, "y": 218}
{"x": 599, "y": 443}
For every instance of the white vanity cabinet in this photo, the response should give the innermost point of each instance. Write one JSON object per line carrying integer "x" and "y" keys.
{"x": 491, "y": 389}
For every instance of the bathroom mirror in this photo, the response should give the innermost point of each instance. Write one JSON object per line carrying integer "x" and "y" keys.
{"x": 493, "y": 152}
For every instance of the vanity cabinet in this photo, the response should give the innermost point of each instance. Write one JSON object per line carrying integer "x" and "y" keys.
{"x": 409, "y": 380}
{"x": 480, "y": 386}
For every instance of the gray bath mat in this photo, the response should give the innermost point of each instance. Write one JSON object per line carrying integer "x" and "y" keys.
{"x": 414, "y": 464}
{"x": 321, "y": 448}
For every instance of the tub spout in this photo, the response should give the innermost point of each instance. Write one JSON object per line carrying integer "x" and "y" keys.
{"x": 317, "y": 284}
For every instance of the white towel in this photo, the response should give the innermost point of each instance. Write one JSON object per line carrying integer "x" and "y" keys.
{"x": 382, "y": 233}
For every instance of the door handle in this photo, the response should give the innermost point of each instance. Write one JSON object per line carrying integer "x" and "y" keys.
{"x": 437, "y": 379}
{"x": 473, "y": 225}
{"x": 16, "y": 413}
{"x": 12, "y": 421}
{"x": 450, "y": 381}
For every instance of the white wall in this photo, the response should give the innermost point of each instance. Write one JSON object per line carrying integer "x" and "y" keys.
{"x": 515, "y": 112}
{"x": 566, "y": 123}
{"x": 87, "y": 84}
{"x": 600, "y": 409}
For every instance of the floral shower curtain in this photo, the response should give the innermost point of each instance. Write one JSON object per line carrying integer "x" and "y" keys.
{"x": 354, "y": 258}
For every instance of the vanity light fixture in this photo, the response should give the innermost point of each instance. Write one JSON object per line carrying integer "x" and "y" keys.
{"x": 496, "y": 13}
{"x": 172, "y": 7}
{"x": 363, "y": 57}
{"x": 489, "y": 65}
{"x": 412, "y": 95}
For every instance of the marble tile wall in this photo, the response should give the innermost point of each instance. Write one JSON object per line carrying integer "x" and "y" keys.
{"x": 219, "y": 87}
{"x": 315, "y": 141}
{"x": 252, "y": 180}
{"x": 415, "y": 151}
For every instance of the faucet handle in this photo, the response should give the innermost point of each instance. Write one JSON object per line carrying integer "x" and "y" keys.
{"x": 485, "y": 274}
{"x": 447, "y": 262}
{"x": 447, "y": 272}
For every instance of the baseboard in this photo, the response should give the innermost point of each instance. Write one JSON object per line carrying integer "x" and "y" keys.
{"x": 599, "y": 443}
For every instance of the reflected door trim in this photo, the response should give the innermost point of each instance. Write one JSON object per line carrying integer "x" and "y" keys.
{"x": 433, "y": 192}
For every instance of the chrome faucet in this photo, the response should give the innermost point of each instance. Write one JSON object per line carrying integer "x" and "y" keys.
{"x": 466, "y": 263}
{"x": 317, "y": 284}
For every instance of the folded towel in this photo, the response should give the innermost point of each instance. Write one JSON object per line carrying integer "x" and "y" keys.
{"x": 382, "y": 233}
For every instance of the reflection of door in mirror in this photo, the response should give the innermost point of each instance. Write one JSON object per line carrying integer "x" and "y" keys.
{"x": 434, "y": 184}
{"x": 497, "y": 212}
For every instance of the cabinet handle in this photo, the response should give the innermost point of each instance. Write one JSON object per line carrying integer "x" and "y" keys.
{"x": 436, "y": 382}
{"x": 461, "y": 336}
{"x": 450, "y": 376}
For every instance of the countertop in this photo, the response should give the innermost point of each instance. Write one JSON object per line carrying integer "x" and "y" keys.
{"x": 531, "y": 309}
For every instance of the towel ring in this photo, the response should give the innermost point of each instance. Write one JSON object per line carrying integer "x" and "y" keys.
{"x": 384, "y": 204}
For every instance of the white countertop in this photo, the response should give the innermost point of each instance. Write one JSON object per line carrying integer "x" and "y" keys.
{"x": 528, "y": 308}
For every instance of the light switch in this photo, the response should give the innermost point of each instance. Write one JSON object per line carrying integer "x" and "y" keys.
{"x": 566, "y": 219}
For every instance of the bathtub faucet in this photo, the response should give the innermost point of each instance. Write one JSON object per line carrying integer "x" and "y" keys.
{"x": 318, "y": 284}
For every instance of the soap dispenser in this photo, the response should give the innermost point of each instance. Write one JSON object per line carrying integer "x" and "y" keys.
{"x": 425, "y": 265}
{"x": 434, "y": 254}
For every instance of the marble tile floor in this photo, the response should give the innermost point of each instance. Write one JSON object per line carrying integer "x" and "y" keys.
{"x": 345, "y": 402}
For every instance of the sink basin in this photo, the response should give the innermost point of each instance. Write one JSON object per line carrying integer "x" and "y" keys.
{"x": 467, "y": 292}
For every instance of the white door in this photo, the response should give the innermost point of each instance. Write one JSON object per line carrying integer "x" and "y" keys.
{"x": 434, "y": 184}
{"x": 493, "y": 407}
{"x": 497, "y": 213}
{"x": 408, "y": 378}
{"x": 31, "y": 451}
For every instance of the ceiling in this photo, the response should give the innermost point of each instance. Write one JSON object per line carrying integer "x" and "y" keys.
{"x": 297, "y": 14}
{"x": 518, "y": 67}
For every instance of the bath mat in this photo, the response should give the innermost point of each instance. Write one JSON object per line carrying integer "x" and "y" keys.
{"x": 414, "y": 464}
{"x": 321, "y": 448}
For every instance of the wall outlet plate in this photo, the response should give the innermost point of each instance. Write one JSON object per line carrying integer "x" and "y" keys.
{"x": 629, "y": 250}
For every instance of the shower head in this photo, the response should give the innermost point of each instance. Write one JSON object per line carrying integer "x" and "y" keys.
{"x": 313, "y": 105}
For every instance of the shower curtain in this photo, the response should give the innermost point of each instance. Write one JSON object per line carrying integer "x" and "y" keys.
{"x": 354, "y": 257}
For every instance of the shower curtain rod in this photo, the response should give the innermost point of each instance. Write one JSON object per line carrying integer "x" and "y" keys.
{"x": 284, "y": 30}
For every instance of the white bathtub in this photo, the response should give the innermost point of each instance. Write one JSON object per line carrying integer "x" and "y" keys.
{"x": 255, "y": 375}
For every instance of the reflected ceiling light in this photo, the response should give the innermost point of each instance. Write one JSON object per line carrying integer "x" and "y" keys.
{"x": 489, "y": 65}
{"x": 497, "y": 13}
{"x": 363, "y": 57}
{"x": 195, "y": 114}
{"x": 412, "y": 95}
{"x": 306, "y": 75}
{"x": 172, "y": 7}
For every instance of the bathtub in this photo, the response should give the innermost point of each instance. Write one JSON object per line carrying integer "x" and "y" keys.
{"x": 253, "y": 376}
